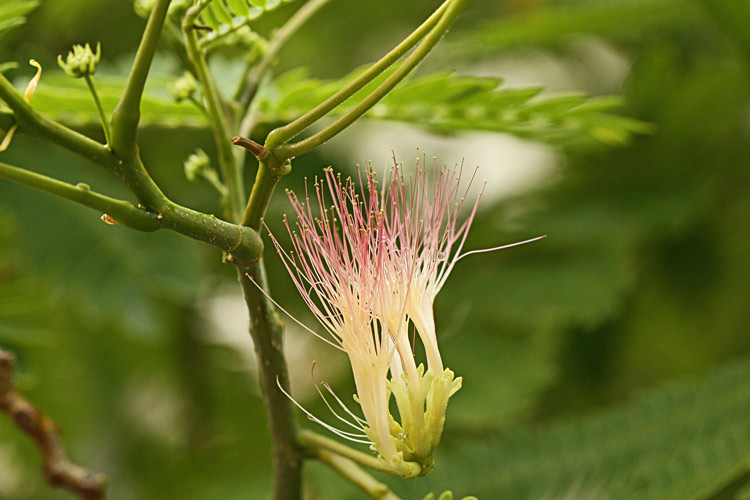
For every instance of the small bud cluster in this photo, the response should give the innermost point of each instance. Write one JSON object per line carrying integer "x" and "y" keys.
{"x": 242, "y": 42}
{"x": 81, "y": 61}
{"x": 183, "y": 88}
{"x": 197, "y": 164}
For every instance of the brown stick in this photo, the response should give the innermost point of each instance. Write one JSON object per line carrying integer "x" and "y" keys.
{"x": 58, "y": 470}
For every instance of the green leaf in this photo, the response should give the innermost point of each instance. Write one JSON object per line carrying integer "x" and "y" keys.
{"x": 226, "y": 17}
{"x": 12, "y": 13}
{"x": 446, "y": 103}
{"x": 69, "y": 100}
{"x": 686, "y": 441}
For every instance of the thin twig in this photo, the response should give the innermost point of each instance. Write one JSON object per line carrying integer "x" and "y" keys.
{"x": 99, "y": 109}
{"x": 359, "y": 478}
{"x": 311, "y": 441}
{"x": 430, "y": 40}
{"x": 58, "y": 470}
{"x": 277, "y": 41}
{"x": 290, "y": 130}
{"x": 242, "y": 243}
{"x": 231, "y": 173}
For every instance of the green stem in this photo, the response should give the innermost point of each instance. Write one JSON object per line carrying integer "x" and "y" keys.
{"x": 100, "y": 109}
{"x": 242, "y": 243}
{"x": 301, "y": 147}
{"x": 213, "y": 179}
{"x": 35, "y": 124}
{"x": 280, "y": 37}
{"x": 123, "y": 212}
{"x": 230, "y": 171}
{"x": 283, "y": 134}
{"x": 311, "y": 442}
{"x": 349, "y": 470}
{"x": 133, "y": 173}
{"x": 127, "y": 113}
{"x": 263, "y": 187}
{"x": 266, "y": 330}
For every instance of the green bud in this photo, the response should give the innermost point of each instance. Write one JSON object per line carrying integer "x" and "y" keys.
{"x": 422, "y": 410}
{"x": 143, "y": 7}
{"x": 183, "y": 88}
{"x": 243, "y": 42}
{"x": 197, "y": 165}
{"x": 81, "y": 61}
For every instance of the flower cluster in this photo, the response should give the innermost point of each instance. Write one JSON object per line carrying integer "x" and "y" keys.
{"x": 369, "y": 261}
{"x": 81, "y": 61}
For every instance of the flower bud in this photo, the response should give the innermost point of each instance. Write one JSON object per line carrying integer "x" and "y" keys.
{"x": 197, "y": 165}
{"x": 143, "y": 7}
{"x": 243, "y": 42}
{"x": 183, "y": 88}
{"x": 81, "y": 61}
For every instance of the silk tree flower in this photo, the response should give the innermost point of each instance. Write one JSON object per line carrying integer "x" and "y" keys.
{"x": 369, "y": 263}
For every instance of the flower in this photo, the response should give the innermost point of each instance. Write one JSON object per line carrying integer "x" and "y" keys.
{"x": 81, "y": 61}
{"x": 369, "y": 263}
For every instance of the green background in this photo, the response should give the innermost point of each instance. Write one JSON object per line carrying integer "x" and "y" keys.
{"x": 642, "y": 284}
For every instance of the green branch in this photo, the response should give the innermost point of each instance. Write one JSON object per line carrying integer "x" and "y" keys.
{"x": 306, "y": 145}
{"x": 311, "y": 442}
{"x": 242, "y": 243}
{"x": 123, "y": 212}
{"x": 359, "y": 478}
{"x": 289, "y": 131}
{"x": 280, "y": 37}
{"x": 127, "y": 113}
{"x": 35, "y": 124}
{"x": 266, "y": 330}
{"x": 263, "y": 188}
{"x": 230, "y": 171}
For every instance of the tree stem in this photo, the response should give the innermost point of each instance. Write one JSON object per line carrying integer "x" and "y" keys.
{"x": 266, "y": 330}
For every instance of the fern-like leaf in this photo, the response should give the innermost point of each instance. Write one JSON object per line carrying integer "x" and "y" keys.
{"x": 13, "y": 12}
{"x": 445, "y": 102}
{"x": 226, "y": 16}
{"x": 68, "y": 100}
{"x": 686, "y": 441}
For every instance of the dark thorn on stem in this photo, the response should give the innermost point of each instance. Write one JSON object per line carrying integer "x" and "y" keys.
{"x": 202, "y": 27}
{"x": 256, "y": 149}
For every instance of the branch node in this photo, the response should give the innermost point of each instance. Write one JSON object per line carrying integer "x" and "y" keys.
{"x": 260, "y": 152}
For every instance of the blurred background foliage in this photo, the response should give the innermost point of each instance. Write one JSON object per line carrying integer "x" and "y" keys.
{"x": 609, "y": 361}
